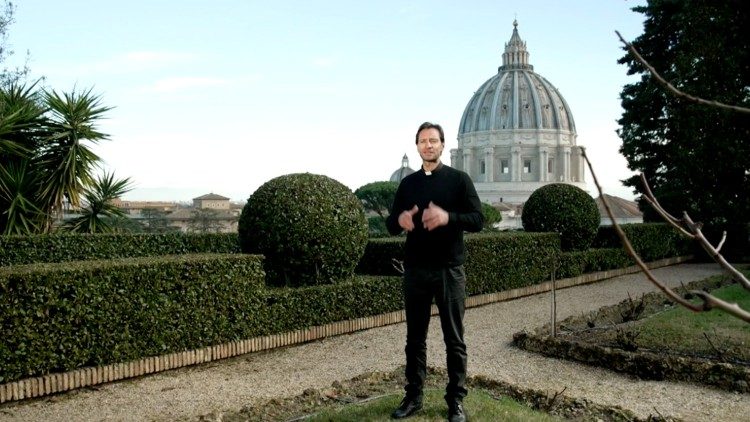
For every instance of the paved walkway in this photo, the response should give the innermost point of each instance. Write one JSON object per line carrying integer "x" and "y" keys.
{"x": 230, "y": 384}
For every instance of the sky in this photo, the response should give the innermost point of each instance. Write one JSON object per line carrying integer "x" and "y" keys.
{"x": 221, "y": 96}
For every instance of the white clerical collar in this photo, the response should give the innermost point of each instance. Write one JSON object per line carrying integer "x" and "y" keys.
{"x": 429, "y": 173}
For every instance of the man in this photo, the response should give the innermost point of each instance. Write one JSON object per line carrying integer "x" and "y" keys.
{"x": 434, "y": 205}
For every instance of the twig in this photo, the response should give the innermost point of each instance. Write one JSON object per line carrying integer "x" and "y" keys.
{"x": 714, "y": 252}
{"x": 674, "y": 90}
{"x": 398, "y": 265}
{"x": 551, "y": 400}
{"x": 651, "y": 199}
{"x": 709, "y": 302}
{"x": 718, "y": 352}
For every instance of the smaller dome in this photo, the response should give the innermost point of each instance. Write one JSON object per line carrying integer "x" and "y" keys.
{"x": 402, "y": 171}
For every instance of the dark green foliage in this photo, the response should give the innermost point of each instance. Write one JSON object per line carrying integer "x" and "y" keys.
{"x": 311, "y": 229}
{"x": 17, "y": 250}
{"x": 491, "y": 216}
{"x": 651, "y": 241}
{"x": 379, "y": 256}
{"x": 575, "y": 263}
{"x": 290, "y": 309}
{"x": 376, "y": 226}
{"x": 504, "y": 261}
{"x": 693, "y": 156}
{"x": 495, "y": 261}
{"x": 98, "y": 312}
{"x": 565, "y": 209}
{"x": 377, "y": 197}
{"x": 57, "y": 317}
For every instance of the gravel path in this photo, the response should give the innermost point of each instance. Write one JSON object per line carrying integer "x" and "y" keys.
{"x": 228, "y": 385}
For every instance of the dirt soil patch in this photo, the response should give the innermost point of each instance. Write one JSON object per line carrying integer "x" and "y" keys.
{"x": 609, "y": 338}
{"x": 373, "y": 385}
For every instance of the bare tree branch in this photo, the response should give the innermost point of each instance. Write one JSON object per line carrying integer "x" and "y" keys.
{"x": 709, "y": 301}
{"x": 714, "y": 252}
{"x": 674, "y": 90}
{"x": 651, "y": 199}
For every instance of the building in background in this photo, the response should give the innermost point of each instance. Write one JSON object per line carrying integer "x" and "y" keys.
{"x": 210, "y": 213}
{"x": 517, "y": 133}
{"x": 402, "y": 171}
{"x": 625, "y": 212}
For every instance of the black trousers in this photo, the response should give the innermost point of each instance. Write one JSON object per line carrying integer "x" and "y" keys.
{"x": 448, "y": 287}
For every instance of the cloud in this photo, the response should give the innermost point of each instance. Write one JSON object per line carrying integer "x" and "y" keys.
{"x": 178, "y": 84}
{"x": 134, "y": 61}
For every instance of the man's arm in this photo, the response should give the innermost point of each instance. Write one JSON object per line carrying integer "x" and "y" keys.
{"x": 470, "y": 218}
{"x": 391, "y": 223}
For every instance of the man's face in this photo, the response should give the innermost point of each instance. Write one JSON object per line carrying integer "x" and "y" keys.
{"x": 429, "y": 146}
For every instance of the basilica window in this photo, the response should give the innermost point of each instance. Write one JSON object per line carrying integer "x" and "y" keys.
{"x": 527, "y": 166}
{"x": 481, "y": 167}
{"x": 504, "y": 166}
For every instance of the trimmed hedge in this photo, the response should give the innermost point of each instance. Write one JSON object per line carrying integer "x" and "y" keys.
{"x": 57, "y": 317}
{"x": 503, "y": 261}
{"x": 60, "y": 316}
{"x": 576, "y": 263}
{"x": 565, "y": 209}
{"x": 495, "y": 261}
{"x": 19, "y": 250}
{"x": 289, "y": 308}
{"x": 310, "y": 227}
{"x": 651, "y": 241}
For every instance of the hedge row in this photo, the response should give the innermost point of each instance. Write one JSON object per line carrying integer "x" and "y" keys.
{"x": 576, "y": 263}
{"x": 651, "y": 241}
{"x": 19, "y": 250}
{"x": 503, "y": 261}
{"x": 60, "y": 316}
{"x": 98, "y": 312}
{"x": 56, "y": 317}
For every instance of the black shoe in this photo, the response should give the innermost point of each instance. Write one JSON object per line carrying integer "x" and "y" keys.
{"x": 456, "y": 412}
{"x": 407, "y": 408}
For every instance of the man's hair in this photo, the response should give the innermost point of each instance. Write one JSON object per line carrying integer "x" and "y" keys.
{"x": 429, "y": 125}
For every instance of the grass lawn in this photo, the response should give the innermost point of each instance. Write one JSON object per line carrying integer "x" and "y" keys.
{"x": 480, "y": 405}
{"x": 684, "y": 331}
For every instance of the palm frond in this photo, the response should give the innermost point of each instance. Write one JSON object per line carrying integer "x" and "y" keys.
{"x": 100, "y": 213}
{"x": 18, "y": 187}
{"x": 66, "y": 162}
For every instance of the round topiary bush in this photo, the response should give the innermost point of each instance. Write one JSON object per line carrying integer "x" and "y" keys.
{"x": 564, "y": 209}
{"x": 311, "y": 229}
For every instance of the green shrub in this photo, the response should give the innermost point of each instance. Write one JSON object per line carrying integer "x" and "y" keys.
{"x": 576, "y": 263}
{"x": 311, "y": 229}
{"x": 491, "y": 216}
{"x": 495, "y": 261}
{"x": 57, "y": 317}
{"x": 20, "y": 250}
{"x": 564, "y": 209}
{"x": 651, "y": 241}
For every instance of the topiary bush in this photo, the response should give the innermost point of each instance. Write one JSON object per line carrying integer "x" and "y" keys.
{"x": 311, "y": 229}
{"x": 564, "y": 209}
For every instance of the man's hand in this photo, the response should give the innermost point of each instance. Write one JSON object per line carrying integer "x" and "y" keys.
{"x": 405, "y": 219}
{"x": 434, "y": 217}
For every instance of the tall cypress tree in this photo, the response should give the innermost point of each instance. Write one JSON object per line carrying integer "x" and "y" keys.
{"x": 696, "y": 157}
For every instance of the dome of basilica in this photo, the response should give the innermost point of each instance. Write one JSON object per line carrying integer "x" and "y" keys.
{"x": 516, "y": 97}
{"x": 517, "y": 133}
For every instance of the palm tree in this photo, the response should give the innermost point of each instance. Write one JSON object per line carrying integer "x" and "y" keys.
{"x": 66, "y": 163}
{"x": 22, "y": 130}
{"x": 99, "y": 214}
{"x": 45, "y": 157}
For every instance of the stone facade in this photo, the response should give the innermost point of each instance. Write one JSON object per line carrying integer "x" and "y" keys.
{"x": 517, "y": 133}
